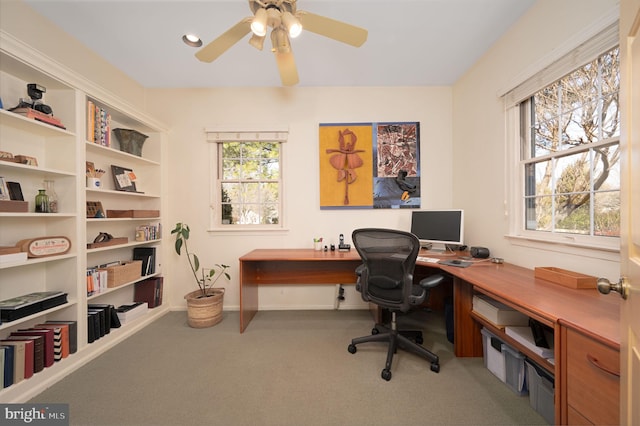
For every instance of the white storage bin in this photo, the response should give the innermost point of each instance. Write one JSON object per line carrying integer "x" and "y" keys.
{"x": 493, "y": 356}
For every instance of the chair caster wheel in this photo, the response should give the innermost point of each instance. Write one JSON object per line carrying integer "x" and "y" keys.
{"x": 374, "y": 331}
{"x": 386, "y": 374}
{"x": 435, "y": 368}
{"x": 352, "y": 348}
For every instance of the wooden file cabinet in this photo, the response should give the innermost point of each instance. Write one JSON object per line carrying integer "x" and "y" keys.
{"x": 592, "y": 388}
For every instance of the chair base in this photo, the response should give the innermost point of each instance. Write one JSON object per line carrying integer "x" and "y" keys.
{"x": 397, "y": 339}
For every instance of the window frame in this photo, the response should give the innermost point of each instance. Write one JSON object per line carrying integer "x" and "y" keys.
{"x": 600, "y": 247}
{"x": 217, "y": 136}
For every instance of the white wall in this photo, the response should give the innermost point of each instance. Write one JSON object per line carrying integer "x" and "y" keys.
{"x": 479, "y": 131}
{"x": 189, "y": 112}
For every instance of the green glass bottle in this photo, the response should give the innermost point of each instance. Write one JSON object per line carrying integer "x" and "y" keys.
{"x": 42, "y": 202}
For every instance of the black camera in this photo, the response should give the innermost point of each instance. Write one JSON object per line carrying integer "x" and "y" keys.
{"x": 35, "y": 92}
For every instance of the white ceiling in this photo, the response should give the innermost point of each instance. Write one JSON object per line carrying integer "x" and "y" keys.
{"x": 410, "y": 43}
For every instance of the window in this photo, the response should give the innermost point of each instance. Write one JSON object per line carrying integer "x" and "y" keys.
{"x": 571, "y": 152}
{"x": 247, "y": 180}
{"x": 568, "y": 155}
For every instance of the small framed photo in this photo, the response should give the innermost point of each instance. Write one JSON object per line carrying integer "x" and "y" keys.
{"x": 124, "y": 179}
{"x": 95, "y": 210}
{"x": 15, "y": 191}
{"x": 4, "y": 189}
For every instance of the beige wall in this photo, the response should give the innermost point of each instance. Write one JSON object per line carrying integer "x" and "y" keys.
{"x": 188, "y": 112}
{"x": 479, "y": 130}
{"x": 463, "y": 146}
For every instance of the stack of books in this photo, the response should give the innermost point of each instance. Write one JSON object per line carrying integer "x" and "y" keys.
{"x": 497, "y": 313}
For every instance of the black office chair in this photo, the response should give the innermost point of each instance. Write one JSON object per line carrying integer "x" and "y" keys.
{"x": 386, "y": 279}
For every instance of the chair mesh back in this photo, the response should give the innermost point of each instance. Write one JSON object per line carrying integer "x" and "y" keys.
{"x": 389, "y": 257}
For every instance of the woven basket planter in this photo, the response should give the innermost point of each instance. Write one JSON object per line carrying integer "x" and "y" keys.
{"x": 204, "y": 312}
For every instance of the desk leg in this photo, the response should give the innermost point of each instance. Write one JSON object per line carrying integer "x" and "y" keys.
{"x": 467, "y": 336}
{"x": 248, "y": 293}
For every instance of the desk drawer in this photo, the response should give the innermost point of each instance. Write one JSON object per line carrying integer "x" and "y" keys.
{"x": 593, "y": 379}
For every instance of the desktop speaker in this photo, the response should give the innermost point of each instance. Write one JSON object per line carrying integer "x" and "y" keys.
{"x": 479, "y": 252}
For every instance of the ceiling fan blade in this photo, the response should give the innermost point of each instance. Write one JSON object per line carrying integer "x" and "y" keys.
{"x": 287, "y": 67}
{"x": 217, "y": 47}
{"x": 340, "y": 31}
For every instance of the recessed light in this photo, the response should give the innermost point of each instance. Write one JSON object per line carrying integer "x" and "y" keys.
{"x": 192, "y": 40}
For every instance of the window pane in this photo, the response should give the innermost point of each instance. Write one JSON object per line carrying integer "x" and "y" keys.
{"x": 607, "y": 214}
{"x": 574, "y": 221}
{"x": 571, "y": 174}
{"x": 606, "y": 168}
{"x": 231, "y": 169}
{"x": 538, "y": 178}
{"x": 538, "y": 213}
{"x": 610, "y": 117}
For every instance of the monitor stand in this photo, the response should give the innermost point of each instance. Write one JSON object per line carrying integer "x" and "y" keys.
{"x": 434, "y": 248}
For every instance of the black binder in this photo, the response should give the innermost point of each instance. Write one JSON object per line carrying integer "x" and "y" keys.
{"x": 148, "y": 257}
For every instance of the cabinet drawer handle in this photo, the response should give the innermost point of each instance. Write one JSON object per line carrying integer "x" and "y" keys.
{"x": 594, "y": 361}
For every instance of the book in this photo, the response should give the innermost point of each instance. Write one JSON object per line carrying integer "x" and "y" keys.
{"x": 149, "y": 291}
{"x": 7, "y": 354}
{"x": 64, "y": 337}
{"x": 57, "y": 339}
{"x": 101, "y": 329}
{"x": 38, "y": 116}
{"x": 498, "y": 313}
{"x": 47, "y": 343}
{"x": 28, "y": 345}
{"x": 18, "y": 359}
{"x": 127, "y": 313}
{"x": 106, "y": 313}
{"x": 28, "y": 304}
{"x": 73, "y": 333}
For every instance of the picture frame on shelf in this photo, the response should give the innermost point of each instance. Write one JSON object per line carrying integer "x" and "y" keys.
{"x": 4, "y": 189}
{"x": 95, "y": 210}
{"x": 124, "y": 179}
{"x": 15, "y": 191}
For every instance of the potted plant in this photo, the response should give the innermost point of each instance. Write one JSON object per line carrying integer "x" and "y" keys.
{"x": 204, "y": 306}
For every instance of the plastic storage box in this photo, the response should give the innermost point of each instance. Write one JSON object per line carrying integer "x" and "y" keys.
{"x": 515, "y": 370}
{"x": 541, "y": 391}
{"x": 493, "y": 356}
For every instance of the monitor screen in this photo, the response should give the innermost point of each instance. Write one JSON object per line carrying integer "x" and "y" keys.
{"x": 439, "y": 227}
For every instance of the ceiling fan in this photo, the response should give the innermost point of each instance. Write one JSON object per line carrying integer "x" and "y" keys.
{"x": 285, "y": 21}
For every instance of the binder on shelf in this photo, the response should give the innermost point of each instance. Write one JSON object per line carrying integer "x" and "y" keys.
{"x": 132, "y": 311}
{"x": 19, "y": 359}
{"x": 148, "y": 257}
{"x": 64, "y": 337}
{"x": 149, "y": 291}
{"x": 57, "y": 339}
{"x": 6, "y": 352}
{"x": 498, "y": 313}
{"x": 73, "y": 333}
{"x": 28, "y": 345}
{"x": 105, "y": 314}
{"x": 47, "y": 343}
{"x": 38, "y": 348}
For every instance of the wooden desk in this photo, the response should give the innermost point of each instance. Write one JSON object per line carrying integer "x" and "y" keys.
{"x": 580, "y": 316}
{"x": 291, "y": 266}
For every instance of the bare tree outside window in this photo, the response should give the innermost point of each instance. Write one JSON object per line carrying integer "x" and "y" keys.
{"x": 570, "y": 133}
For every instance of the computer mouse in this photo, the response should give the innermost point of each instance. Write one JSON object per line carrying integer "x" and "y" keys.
{"x": 456, "y": 261}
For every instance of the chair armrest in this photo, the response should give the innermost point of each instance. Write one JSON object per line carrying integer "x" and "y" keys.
{"x": 431, "y": 281}
{"x": 360, "y": 269}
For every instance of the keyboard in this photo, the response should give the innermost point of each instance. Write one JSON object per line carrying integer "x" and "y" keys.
{"x": 428, "y": 259}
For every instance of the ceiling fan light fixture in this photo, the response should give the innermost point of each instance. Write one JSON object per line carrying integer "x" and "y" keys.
{"x": 259, "y": 23}
{"x": 192, "y": 40}
{"x": 293, "y": 25}
{"x": 257, "y": 41}
{"x": 280, "y": 41}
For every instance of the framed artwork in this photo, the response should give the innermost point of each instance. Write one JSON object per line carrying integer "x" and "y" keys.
{"x": 370, "y": 165}
{"x": 4, "y": 189}
{"x": 124, "y": 179}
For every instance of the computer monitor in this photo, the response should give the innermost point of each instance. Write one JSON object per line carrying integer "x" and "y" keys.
{"x": 438, "y": 228}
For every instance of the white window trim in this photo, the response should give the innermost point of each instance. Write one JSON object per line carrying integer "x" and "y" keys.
{"x": 242, "y": 133}
{"x": 590, "y": 43}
